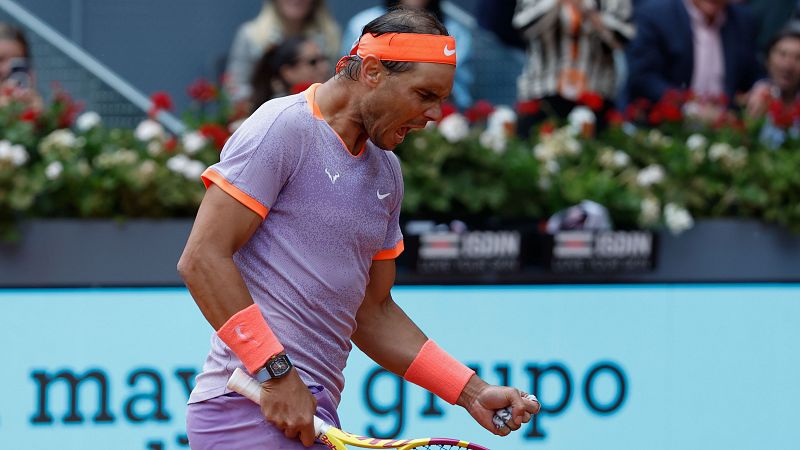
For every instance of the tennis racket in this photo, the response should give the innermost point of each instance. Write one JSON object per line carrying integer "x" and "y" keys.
{"x": 336, "y": 439}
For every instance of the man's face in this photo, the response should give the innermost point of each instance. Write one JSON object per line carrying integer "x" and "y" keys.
{"x": 9, "y": 50}
{"x": 783, "y": 64}
{"x": 405, "y": 101}
{"x": 711, "y": 8}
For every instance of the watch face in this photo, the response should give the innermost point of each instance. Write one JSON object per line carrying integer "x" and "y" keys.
{"x": 279, "y": 366}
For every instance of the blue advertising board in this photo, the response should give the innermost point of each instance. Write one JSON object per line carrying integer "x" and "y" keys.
{"x": 616, "y": 367}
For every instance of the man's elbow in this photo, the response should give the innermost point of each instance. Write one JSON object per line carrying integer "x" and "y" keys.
{"x": 189, "y": 266}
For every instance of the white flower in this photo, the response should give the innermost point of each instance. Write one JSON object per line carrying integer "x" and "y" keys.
{"x": 650, "y": 175}
{"x": 502, "y": 119}
{"x": 178, "y": 163}
{"x": 621, "y": 159}
{"x": 579, "y": 119}
{"x": 696, "y": 142}
{"x": 677, "y": 218}
{"x": 155, "y": 148}
{"x": 494, "y": 140}
{"x": 544, "y": 183}
{"x": 53, "y": 170}
{"x": 185, "y": 166}
{"x": 552, "y": 166}
{"x": 194, "y": 169}
{"x": 454, "y": 127}
{"x": 15, "y": 154}
{"x": 658, "y": 139}
{"x": 719, "y": 150}
{"x": 61, "y": 138}
{"x": 614, "y": 158}
{"x": 87, "y": 121}
{"x": 147, "y": 168}
{"x": 650, "y": 211}
{"x": 148, "y": 130}
{"x": 544, "y": 151}
{"x": 420, "y": 143}
{"x": 193, "y": 142}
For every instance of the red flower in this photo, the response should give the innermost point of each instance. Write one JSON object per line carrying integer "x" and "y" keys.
{"x": 160, "y": 101}
{"x": 547, "y": 128}
{"x": 782, "y": 116}
{"x": 671, "y": 112}
{"x": 447, "y": 109}
{"x": 69, "y": 107}
{"x": 300, "y": 87}
{"x": 591, "y": 99}
{"x": 529, "y": 107}
{"x": 655, "y": 117}
{"x": 29, "y": 115}
{"x": 171, "y": 144}
{"x": 614, "y": 118}
{"x": 202, "y": 90}
{"x": 479, "y": 111}
{"x": 218, "y": 134}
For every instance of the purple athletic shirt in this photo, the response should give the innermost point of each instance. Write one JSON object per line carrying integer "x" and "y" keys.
{"x": 327, "y": 216}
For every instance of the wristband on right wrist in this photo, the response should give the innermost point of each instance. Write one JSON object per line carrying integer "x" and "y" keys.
{"x": 438, "y": 372}
{"x": 250, "y": 338}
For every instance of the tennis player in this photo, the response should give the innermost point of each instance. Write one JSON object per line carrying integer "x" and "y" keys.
{"x": 291, "y": 256}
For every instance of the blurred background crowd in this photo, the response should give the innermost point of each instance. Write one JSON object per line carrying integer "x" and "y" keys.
{"x": 724, "y": 69}
{"x": 728, "y": 54}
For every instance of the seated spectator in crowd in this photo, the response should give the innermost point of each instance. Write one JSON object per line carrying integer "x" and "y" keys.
{"x": 461, "y": 94}
{"x": 777, "y": 96}
{"x": 16, "y": 76}
{"x": 570, "y": 47}
{"x": 287, "y": 69}
{"x": 279, "y": 19}
{"x": 706, "y": 46}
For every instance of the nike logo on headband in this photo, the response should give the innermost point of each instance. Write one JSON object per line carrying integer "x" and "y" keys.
{"x": 448, "y": 52}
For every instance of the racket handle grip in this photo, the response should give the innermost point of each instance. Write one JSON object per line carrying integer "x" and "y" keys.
{"x": 503, "y": 415}
{"x": 246, "y": 386}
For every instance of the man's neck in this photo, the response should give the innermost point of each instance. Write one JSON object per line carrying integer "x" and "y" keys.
{"x": 340, "y": 109}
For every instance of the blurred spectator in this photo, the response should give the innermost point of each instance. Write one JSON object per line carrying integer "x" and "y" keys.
{"x": 16, "y": 75}
{"x": 571, "y": 47}
{"x": 496, "y": 16}
{"x": 770, "y": 17}
{"x": 289, "y": 67}
{"x": 777, "y": 96}
{"x": 707, "y": 46}
{"x": 461, "y": 94}
{"x": 278, "y": 20}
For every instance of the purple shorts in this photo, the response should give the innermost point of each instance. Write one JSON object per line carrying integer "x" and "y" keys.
{"x": 233, "y": 422}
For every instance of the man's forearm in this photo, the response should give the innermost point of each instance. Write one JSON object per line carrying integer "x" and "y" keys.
{"x": 216, "y": 286}
{"x": 387, "y": 335}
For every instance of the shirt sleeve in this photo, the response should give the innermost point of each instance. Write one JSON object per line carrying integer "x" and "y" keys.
{"x": 393, "y": 243}
{"x": 256, "y": 162}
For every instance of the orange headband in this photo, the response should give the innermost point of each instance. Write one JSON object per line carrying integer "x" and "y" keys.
{"x": 411, "y": 47}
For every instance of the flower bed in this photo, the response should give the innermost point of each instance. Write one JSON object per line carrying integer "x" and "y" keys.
{"x": 54, "y": 163}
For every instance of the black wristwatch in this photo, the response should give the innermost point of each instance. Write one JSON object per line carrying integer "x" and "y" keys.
{"x": 276, "y": 367}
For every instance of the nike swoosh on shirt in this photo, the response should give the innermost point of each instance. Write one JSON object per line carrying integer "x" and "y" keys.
{"x": 448, "y": 52}
{"x": 382, "y": 196}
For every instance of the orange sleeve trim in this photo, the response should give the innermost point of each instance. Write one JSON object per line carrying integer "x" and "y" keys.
{"x": 390, "y": 253}
{"x": 212, "y": 176}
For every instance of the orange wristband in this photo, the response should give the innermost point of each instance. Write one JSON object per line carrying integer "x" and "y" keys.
{"x": 438, "y": 372}
{"x": 249, "y": 336}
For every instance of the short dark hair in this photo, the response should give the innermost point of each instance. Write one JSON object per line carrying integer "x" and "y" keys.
{"x": 399, "y": 19}
{"x": 790, "y": 30}
{"x": 12, "y": 33}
